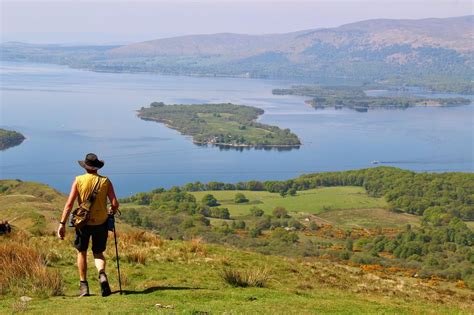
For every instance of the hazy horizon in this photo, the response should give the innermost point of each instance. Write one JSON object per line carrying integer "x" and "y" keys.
{"x": 107, "y": 22}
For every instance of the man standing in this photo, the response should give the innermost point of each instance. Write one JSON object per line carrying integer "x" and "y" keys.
{"x": 96, "y": 227}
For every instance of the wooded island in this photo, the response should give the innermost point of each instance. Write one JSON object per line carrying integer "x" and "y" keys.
{"x": 356, "y": 98}
{"x": 9, "y": 138}
{"x": 220, "y": 124}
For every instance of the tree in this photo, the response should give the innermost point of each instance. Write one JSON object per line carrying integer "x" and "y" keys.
{"x": 292, "y": 192}
{"x": 209, "y": 200}
{"x": 240, "y": 198}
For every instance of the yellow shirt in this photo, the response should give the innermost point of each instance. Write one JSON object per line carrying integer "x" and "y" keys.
{"x": 85, "y": 186}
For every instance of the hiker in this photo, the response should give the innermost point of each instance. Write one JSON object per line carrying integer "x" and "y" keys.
{"x": 96, "y": 226}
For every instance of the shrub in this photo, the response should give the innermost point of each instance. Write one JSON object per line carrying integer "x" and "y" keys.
{"x": 313, "y": 226}
{"x": 220, "y": 213}
{"x": 240, "y": 198}
{"x": 24, "y": 271}
{"x": 255, "y": 277}
{"x": 345, "y": 255}
{"x": 280, "y": 212}
{"x": 292, "y": 192}
{"x": 256, "y": 212}
{"x": 295, "y": 224}
{"x": 238, "y": 224}
{"x": 209, "y": 200}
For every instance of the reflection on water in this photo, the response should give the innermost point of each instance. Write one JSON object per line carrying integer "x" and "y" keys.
{"x": 66, "y": 113}
{"x": 223, "y": 147}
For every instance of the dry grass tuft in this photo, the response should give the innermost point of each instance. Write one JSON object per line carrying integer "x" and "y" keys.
{"x": 137, "y": 255}
{"x": 140, "y": 238}
{"x": 24, "y": 271}
{"x": 197, "y": 246}
{"x": 255, "y": 277}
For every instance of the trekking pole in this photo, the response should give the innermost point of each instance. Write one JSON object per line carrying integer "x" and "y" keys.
{"x": 118, "y": 263}
{"x": 112, "y": 217}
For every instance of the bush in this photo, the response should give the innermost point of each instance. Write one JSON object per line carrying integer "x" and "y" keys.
{"x": 345, "y": 255}
{"x": 280, "y": 212}
{"x": 240, "y": 198}
{"x": 209, "y": 200}
{"x": 238, "y": 225}
{"x": 364, "y": 259}
{"x": 313, "y": 226}
{"x": 295, "y": 224}
{"x": 283, "y": 235}
{"x": 220, "y": 213}
{"x": 256, "y": 212}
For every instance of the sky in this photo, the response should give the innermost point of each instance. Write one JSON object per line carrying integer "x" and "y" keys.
{"x": 120, "y": 22}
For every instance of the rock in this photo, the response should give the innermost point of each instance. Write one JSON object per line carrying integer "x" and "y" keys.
{"x": 158, "y": 305}
{"x": 25, "y": 299}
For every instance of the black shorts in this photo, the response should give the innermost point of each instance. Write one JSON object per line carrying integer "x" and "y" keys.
{"x": 99, "y": 235}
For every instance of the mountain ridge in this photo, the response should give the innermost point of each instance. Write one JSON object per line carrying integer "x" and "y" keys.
{"x": 251, "y": 42}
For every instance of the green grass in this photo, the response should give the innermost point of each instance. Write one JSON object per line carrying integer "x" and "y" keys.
{"x": 369, "y": 218}
{"x": 314, "y": 201}
{"x": 192, "y": 282}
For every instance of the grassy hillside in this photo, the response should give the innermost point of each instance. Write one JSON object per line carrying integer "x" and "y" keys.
{"x": 313, "y": 201}
{"x": 189, "y": 276}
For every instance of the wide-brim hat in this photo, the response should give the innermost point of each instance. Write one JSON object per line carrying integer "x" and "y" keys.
{"x": 91, "y": 162}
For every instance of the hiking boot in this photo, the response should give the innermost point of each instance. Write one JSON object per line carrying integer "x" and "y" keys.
{"x": 83, "y": 289}
{"x": 104, "y": 284}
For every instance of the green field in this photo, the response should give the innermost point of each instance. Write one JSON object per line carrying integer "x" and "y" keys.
{"x": 313, "y": 201}
{"x": 369, "y": 218}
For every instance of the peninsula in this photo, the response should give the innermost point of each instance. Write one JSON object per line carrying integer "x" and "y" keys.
{"x": 356, "y": 98}
{"x": 9, "y": 138}
{"x": 220, "y": 124}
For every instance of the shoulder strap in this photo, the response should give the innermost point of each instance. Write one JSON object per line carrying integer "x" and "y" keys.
{"x": 90, "y": 199}
{"x": 95, "y": 191}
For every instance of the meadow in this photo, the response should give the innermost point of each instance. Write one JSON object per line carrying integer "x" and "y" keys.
{"x": 313, "y": 201}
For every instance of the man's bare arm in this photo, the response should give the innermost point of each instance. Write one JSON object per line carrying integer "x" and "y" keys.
{"x": 112, "y": 198}
{"x": 67, "y": 210}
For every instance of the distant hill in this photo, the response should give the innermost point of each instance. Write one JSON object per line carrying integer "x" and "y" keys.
{"x": 450, "y": 33}
{"x": 436, "y": 53}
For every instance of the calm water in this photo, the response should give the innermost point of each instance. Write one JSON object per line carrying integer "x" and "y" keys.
{"x": 66, "y": 113}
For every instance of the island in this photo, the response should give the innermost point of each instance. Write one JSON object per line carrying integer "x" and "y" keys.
{"x": 220, "y": 124}
{"x": 357, "y": 99}
{"x": 10, "y": 138}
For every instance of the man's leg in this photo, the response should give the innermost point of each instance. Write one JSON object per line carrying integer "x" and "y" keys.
{"x": 99, "y": 261}
{"x": 82, "y": 265}
{"x": 99, "y": 243}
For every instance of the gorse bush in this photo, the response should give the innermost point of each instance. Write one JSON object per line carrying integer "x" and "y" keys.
{"x": 23, "y": 271}
{"x": 251, "y": 277}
